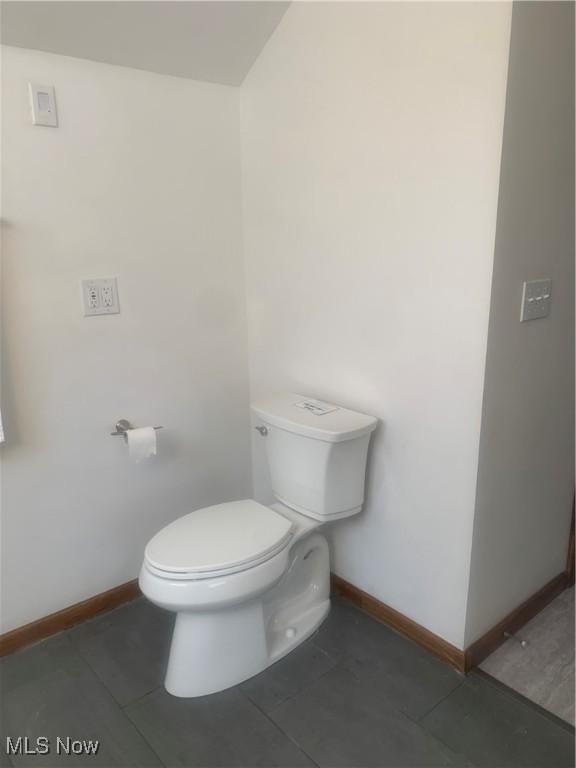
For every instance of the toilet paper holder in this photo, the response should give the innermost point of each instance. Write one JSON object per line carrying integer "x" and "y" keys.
{"x": 123, "y": 426}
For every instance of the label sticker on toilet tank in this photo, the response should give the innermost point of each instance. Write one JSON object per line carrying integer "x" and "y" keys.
{"x": 317, "y": 407}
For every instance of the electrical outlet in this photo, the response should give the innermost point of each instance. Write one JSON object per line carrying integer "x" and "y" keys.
{"x": 100, "y": 297}
{"x": 107, "y": 295}
{"x": 93, "y": 297}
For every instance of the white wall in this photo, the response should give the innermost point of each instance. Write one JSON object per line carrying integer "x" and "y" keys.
{"x": 141, "y": 180}
{"x": 371, "y": 148}
{"x": 371, "y": 157}
{"x": 526, "y": 465}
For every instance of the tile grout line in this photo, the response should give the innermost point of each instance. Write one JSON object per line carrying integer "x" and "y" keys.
{"x": 94, "y": 671}
{"x": 506, "y": 695}
{"x": 294, "y": 695}
{"x": 143, "y": 736}
{"x": 86, "y": 660}
{"x": 97, "y": 679}
{"x": 277, "y": 726}
{"x": 121, "y": 709}
{"x": 419, "y": 719}
{"x": 9, "y": 764}
{"x": 420, "y": 724}
{"x": 512, "y": 693}
{"x": 139, "y": 698}
{"x": 343, "y": 665}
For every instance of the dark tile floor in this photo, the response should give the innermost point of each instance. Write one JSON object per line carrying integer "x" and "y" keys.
{"x": 356, "y": 694}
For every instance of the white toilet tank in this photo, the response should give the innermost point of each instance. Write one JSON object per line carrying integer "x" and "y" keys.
{"x": 316, "y": 454}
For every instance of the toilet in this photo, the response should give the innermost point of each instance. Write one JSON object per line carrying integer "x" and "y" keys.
{"x": 250, "y": 582}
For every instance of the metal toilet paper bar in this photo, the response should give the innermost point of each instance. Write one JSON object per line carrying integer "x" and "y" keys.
{"x": 123, "y": 426}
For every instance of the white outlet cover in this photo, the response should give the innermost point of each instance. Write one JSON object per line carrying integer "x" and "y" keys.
{"x": 536, "y": 300}
{"x": 100, "y": 296}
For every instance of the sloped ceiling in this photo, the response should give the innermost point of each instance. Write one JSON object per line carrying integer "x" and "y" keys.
{"x": 215, "y": 41}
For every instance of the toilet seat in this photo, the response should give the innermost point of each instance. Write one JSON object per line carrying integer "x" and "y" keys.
{"x": 218, "y": 540}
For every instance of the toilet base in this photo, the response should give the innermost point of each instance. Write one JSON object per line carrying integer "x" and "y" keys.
{"x": 214, "y": 650}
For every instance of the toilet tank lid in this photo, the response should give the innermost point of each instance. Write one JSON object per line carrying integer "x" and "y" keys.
{"x": 313, "y": 418}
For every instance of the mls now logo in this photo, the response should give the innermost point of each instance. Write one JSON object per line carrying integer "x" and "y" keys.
{"x": 70, "y": 746}
{"x": 22, "y": 745}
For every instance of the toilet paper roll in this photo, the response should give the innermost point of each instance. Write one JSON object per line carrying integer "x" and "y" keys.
{"x": 141, "y": 443}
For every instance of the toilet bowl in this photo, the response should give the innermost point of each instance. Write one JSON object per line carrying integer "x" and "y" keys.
{"x": 250, "y": 582}
{"x": 238, "y": 615}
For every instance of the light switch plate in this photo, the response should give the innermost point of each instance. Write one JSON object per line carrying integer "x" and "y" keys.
{"x": 536, "y": 298}
{"x": 43, "y": 105}
{"x": 100, "y": 297}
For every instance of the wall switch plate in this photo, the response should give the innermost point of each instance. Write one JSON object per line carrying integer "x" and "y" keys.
{"x": 536, "y": 298}
{"x": 100, "y": 297}
{"x": 43, "y": 105}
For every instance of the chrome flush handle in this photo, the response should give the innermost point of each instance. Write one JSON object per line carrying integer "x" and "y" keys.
{"x": 263, "y": 430}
